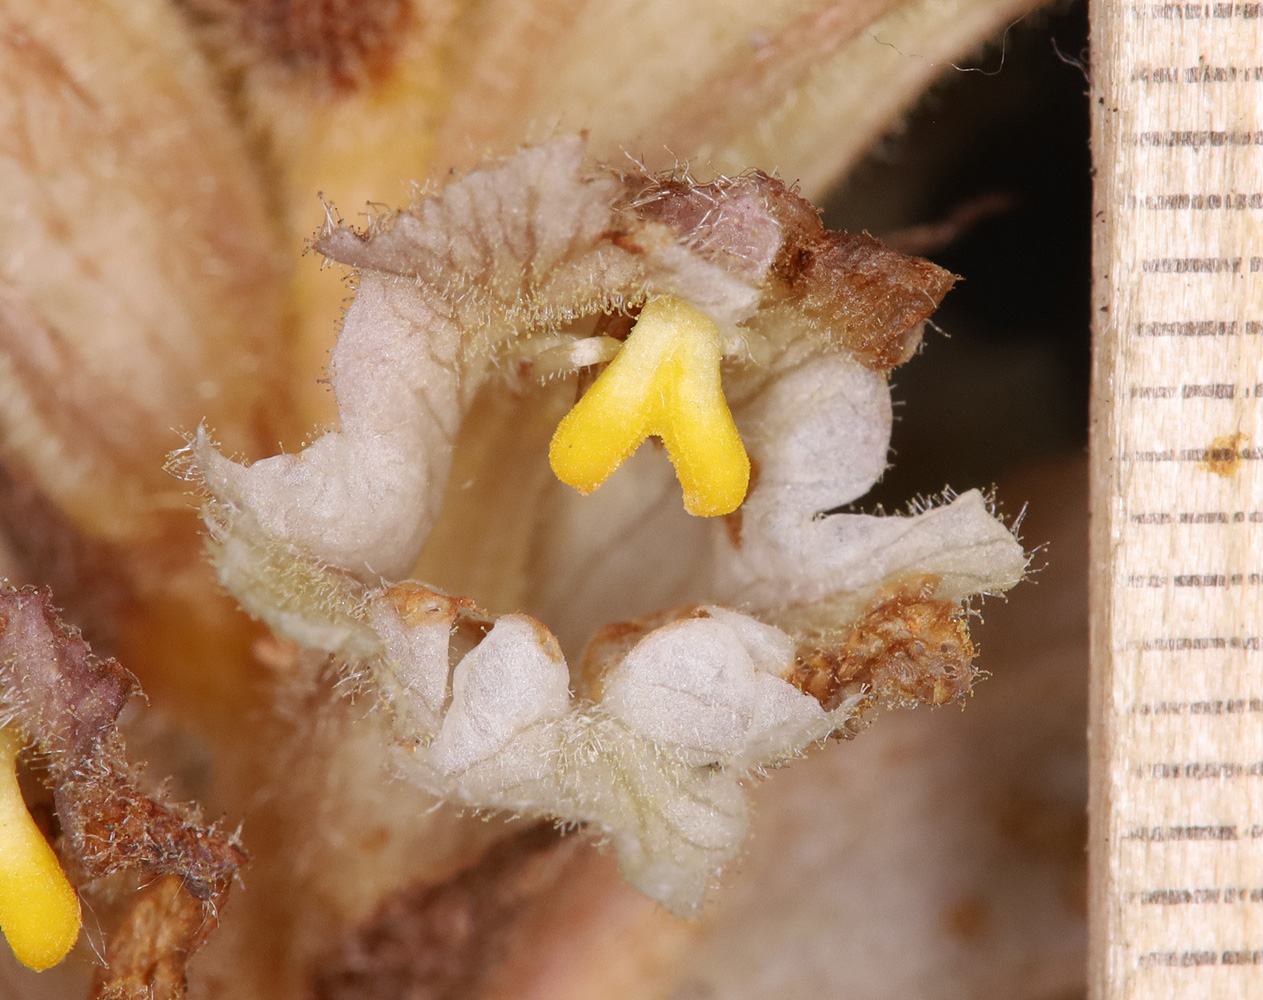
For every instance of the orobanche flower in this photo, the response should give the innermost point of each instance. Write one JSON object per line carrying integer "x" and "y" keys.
{"x": 534, "y": 612}
{"x": 614, "y": 690}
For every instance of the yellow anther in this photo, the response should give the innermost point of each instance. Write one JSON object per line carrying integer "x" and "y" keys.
{"x": 665, "y": 381}
{"x": 39, "y": 911}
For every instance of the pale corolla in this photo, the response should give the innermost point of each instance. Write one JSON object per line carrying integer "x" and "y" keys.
{"x": 575, "y": 696}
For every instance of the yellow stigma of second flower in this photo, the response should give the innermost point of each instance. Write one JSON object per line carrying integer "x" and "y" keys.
{"x": 666, "y": 382}
{"x": 39, "y": 911}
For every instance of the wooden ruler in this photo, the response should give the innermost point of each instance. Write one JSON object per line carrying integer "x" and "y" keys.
{"x": 1176, "y": 900}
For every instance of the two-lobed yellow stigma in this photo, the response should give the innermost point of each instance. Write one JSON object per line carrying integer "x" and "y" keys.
{"x": 39, "y": 911}
{"x": 665, "y": 381}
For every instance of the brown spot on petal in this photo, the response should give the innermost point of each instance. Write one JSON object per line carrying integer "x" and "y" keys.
{"x": 545, "y": 639}
{"x": 908, "y": 648}
{"x": 418, "y": 605}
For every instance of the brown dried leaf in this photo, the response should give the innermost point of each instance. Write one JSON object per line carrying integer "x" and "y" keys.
{"x": 861, "y": 295}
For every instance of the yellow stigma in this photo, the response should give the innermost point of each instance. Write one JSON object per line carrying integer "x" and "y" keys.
{"x": 39, "y": 911}
{"x": 665, "y": 381}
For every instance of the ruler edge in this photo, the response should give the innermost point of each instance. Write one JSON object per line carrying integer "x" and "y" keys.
{"x": 1103, "y": 479}
{"x": 1107, "y": 979}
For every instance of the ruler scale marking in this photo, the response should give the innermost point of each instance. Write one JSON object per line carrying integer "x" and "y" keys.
{"x": 1176, "y": 870}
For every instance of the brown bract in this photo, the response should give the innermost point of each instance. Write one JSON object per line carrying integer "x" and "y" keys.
{"x": 110, "y": 826}
{"x": 853, "y": 291}
{"x": 66, "y": 701}
{"x": 51, "y": 685}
